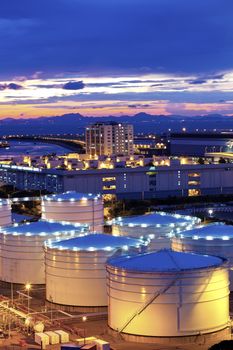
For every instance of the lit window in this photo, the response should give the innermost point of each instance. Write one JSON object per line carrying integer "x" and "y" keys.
{"x": 107, "y": 179}
{"x": 109, "y": 187}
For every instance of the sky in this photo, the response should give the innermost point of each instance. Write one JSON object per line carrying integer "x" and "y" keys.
{"x": 115, "y": 57}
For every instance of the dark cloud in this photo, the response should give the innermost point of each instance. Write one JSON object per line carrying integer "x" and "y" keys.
{"x": 74, "y": 85}
{"x": 10, "y": 86}
{"x": 138, "y": 105}
{"x": 47, "y": 86}
{"x": 115, "y": 37}
{"x": 198, "y": 81}
{"x": 204, "y": 79}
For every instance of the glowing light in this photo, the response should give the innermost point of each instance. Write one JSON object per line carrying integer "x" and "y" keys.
{"x": 225, "y": 238}
{"x": 91, "y": 249}
{"x": 209, "y": 238}
{"x": 28, "y": 286}
{"x": 108, "y": 249}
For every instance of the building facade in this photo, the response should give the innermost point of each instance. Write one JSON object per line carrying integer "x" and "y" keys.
{"x": 109, "y": 139}
{"x": 129, "y": 183}
{"x": 198, "y": 144}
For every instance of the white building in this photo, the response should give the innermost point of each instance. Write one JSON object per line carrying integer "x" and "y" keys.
{"x": 109, "y": 139}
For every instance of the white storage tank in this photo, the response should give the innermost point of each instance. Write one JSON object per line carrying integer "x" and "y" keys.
{"x": 167, "y": 294}
{"x": 214, "y": 239}
{"x": 22, "y": 252}
{"x": 75, "y": 269}
{"x": 159, "y": 227}
{"x": 74, "y": 207}
{"x": 5, "y": 212}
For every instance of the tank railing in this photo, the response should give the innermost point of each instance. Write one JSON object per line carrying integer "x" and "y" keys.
{"x": 148, "y": 302}
{"x": 14, "y": 200}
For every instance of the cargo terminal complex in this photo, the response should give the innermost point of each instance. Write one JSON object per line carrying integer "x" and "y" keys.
{"x": 126, "y": 183}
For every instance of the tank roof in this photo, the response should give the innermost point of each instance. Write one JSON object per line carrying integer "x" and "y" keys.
{"x": 210, "y": 232}
{"x": 41, "y": 228}
{"x": 166, "y": 260}
{"x": 97, "y": 241}
{"x": 71, "y": 196}
{"x": 156, "y": 219}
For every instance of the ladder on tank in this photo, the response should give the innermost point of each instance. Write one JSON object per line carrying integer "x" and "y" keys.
{"x": 147, "y": 303}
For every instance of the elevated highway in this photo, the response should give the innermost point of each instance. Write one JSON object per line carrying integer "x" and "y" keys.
{"x": 72, "y": 144}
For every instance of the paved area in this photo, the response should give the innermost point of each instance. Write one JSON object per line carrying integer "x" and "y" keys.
{"x": 77, "y": 328}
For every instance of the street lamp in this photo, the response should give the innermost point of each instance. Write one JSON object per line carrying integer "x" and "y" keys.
{"x": 84, "y": 318}
{"x": 28, "y": 287}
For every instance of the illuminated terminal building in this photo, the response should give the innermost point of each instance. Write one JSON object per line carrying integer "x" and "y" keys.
{"x": 75, "y": 269}
{"x": 141, "y": 182}
{"x": 159, "y": 227}
{"x": 168, "y": 296}
{"x": 22, "y": 252}
{"x": 214, "y": 239}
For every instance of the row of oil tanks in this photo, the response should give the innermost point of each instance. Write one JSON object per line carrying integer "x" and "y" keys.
{"x": 158, "y": 293}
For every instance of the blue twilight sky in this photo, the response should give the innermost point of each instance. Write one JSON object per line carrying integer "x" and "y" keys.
{"x": 101, "y": 57}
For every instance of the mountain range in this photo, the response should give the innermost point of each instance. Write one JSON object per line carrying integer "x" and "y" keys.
{"x": 75, "y": 123}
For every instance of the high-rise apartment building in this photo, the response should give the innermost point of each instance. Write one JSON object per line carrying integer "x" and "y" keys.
{"x": 109, "y": 139}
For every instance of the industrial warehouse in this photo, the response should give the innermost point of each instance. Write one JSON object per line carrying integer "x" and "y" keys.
{"x": 150, "y": 280}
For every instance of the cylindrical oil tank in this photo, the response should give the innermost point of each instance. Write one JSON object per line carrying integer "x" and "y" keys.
{"x": 5, "y": 212}
{"x": 75, "y": 268}
{"x": 214, "y": 239}
{"x": 22, "y": 252}
{"x": 159, "y": 227}
{"x": 84, "y": 208}
{"x": 167, "y": 294}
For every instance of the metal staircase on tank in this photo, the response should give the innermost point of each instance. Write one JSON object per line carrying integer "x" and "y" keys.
{"x": 151, "y": 300}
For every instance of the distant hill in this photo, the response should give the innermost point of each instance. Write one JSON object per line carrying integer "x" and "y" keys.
{"x": 143, "y": 122}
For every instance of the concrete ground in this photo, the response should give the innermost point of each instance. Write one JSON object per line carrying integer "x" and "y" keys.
{"x": 77, "y": 329}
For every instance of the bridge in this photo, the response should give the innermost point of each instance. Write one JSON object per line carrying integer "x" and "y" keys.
{"x": 72, "y": 144}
